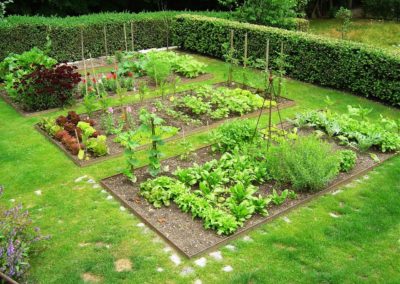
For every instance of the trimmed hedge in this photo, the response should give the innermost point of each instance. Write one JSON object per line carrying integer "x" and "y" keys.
{"x": 334, "y": 63}
{"x": 21, "y": 33}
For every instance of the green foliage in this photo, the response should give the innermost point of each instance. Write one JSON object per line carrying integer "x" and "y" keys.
{"x": 130, "y": 155}
{"x": 3, "y": 6}
{"x": 218, "y": 103}
{"x": 268, "y": 12}
{"x": 354, "y": 128}
{"x": 349, "y": 66}
{"x": 348, "y": 159}
{"x": 388, "y": 9}
{"x": 344, "y": 15}
{"x": 20, "y": 33}
{"x": 278, "y": 199}
{"x": 159, "y": 191}
{"x": 157, "y": 68}
{"x": 231, "y": 135}
{"x": 307, "y": 163}
{"x": 15, "y": 66}
{"x": 97, "y": 145}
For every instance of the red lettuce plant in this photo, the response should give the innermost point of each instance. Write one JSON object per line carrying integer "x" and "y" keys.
{"x": 47, "y": 88}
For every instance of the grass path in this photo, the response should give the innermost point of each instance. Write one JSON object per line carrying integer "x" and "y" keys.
{"x": 89, "y": 232}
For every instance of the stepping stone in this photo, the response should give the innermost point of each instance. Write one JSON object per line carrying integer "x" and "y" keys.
{"x": 91, "y": 278}
{"x": 122, "y": 265}
{"x": 286, "y": 219}
{"x": 12, "y": 200}
{"x": 95, "y": 186}
{"x": 79, "y": 179}
{"x": 247, "y": 239}
{"x": 366, "y": 177}
{"x": 38, "y": 192}
{"x": 349, "y": 185}
{"x": 109, "y": 197}
{"x": 160, "y": 269}
{"x": 337, "y": 192}
{"x": 186, "y": 271}
{"x": 91, "y": 181}
{"x": 103, "y": 191}
{"x": 122, "y": 208}
{"x": 227, "y": 268}
{"x": 333, "y": 215}
{"x": 201, "y": 262}
{"x": 216, "y": 255}
{"x": 175, "y": 259}
{"x": 197, "y": 281}
{"x": 231, "y": 247}
{"x": 167, "y": 249}
{"x": 140, "y": 225}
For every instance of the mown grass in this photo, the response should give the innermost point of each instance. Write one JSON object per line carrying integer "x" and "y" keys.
{"x": 360, "y": 246}
{"x": 379, "y": 33}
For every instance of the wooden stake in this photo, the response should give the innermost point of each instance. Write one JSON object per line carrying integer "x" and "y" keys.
{"x": 105, "y": 39}
{"x": 84, "y": 62}
{"x": 245, "y": 51}
{"x": 232, "y": 34}
{"x": 126, "y": 42}
{"x": 267, "y": 57}
{"x": 132, "y": 37}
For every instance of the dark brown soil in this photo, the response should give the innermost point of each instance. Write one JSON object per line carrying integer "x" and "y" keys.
{"x": 188, "y": 235}
{"x": 206, "y": 123}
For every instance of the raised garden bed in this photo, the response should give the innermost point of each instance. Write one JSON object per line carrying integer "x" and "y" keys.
{"x": 205, "y": 123}
{"x": 188, "y": 235}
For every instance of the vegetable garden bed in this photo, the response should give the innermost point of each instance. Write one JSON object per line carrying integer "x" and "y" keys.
{"x": 184, "y": 128}
{"x": 78, "y": 97}
{"x": 188, "y": 235}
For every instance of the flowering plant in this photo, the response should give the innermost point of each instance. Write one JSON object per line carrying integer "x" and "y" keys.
{"x": 17, "y": 237}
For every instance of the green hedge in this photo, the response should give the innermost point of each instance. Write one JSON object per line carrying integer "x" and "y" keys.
{"x": 338, "y": 64}
{"x": 21, "y": 33}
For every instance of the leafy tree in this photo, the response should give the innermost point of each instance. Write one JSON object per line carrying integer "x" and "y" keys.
{"x": 264, "y": 12}
{"x": 344, "y": 15}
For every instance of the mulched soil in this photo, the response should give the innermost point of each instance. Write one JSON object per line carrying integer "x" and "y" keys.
{"x": 187, "y": 235}
{"x": 116, "y": 149}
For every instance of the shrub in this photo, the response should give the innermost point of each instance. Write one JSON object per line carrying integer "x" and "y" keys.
{"x": 307, "y": 163}
{"x": 345, "y": 65}
{"x": 17, "y": 237}
{"x": 47, "y": 88}
{"x": 348, "y": 160}
{"x": 20, "y": 33}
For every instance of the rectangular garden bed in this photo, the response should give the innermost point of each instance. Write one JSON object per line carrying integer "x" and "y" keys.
{"x": 188, "y": 235}
{"x": 116, "y": 149}
{"x": 78, "y": 96}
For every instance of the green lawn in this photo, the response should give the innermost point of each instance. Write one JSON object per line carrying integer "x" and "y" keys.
{"x": 90, "y": 232}
{"x": 384, "y": 34}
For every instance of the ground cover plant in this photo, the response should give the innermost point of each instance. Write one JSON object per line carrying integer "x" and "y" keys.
{"x": 101, "y": 234}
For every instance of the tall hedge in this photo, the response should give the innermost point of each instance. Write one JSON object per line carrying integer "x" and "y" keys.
{"x": 21, "y": 33}
{"x": 334, "y": 63}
